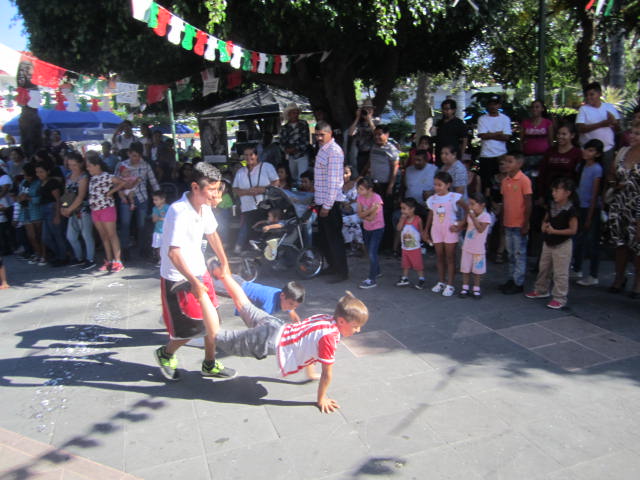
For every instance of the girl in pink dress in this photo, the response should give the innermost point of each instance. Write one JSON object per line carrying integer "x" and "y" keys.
{"x": 442, "y": 229}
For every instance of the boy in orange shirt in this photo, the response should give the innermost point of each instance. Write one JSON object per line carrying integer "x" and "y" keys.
{"x": 516, "y": 192}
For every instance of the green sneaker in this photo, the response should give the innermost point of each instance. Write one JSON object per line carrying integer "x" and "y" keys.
{"x": 217, "y": 370}
{"x": 168, "y": 366}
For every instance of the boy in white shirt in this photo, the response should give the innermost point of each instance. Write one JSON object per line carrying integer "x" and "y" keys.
{"x": 494, "y": 129}
{"x": 599, "y": 120}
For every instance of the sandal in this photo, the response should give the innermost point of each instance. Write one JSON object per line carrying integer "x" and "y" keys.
{"x": 476, "y": 295}
{"x": 464, "y": 293}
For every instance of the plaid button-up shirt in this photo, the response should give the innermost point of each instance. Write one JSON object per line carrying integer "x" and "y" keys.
{"x": 328, "y": 179}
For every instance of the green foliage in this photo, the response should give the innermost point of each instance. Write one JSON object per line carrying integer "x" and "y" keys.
{"x": 400, "y": 129}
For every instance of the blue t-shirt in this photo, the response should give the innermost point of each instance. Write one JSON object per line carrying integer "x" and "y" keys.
{"x": 585, "y": 187}
{"x": 160, "y": 213}
{"x": 262, "y": 296}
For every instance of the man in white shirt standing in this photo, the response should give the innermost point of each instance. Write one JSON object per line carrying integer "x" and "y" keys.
{"x": 599, "y": 120}
{"x": 494, "y": 129}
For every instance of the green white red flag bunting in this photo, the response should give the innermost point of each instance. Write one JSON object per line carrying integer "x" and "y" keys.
{"x": 177, "y": 31}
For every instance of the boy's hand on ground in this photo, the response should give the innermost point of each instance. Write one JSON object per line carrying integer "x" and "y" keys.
{"x": 328, "y": 405}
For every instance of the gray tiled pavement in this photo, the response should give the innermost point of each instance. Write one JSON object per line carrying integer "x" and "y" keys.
{"x": 434, "y": 388}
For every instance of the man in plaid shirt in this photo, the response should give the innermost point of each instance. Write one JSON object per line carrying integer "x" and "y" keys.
{"x": 328, "y": 195}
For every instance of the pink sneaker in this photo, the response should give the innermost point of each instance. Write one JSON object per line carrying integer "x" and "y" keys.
{"x": 106, "y": 267}
{"x": 556, "y": 305}
{"x": 116, "y": 267}
{"x": 534, "y": 294}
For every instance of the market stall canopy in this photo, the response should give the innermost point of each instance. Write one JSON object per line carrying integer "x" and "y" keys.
{"x": 264, "y": 101}
{"x": 181, "y": 129}
{"x": 72, "y": 125}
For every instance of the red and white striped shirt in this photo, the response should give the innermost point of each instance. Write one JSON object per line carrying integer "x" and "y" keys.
{"x": 312, "y": 340}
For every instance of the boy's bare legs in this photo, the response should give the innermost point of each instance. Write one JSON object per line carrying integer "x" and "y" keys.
{"x": 174, "y": 345}
{"x": 3, "y": 279}
{"x": 212, "y": 325}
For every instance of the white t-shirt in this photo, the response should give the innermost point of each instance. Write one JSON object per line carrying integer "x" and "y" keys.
{"x": 261, "y": 176}
{"x": 122, "y": 142}
{"x": 184, "y": 227}
{"x": 489, "y": 124}
{"x": 418, "y": 181}
{"x": 589, "y": 115}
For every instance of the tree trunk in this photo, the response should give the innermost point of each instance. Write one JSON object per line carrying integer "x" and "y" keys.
{"x": 388, "y": 73}
{"x": 423, "y": 105}
{"x": 616, "y": 66}
{"x": 584, "y": 46}
{"x": 30, "y": 130}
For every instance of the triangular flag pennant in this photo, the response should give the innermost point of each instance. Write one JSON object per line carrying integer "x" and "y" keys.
{"x": 269, "y": 67}
{"x": 95, "y": 104}
{"x": 141, "y": 9}
{"x": 60, "y": 100}
{"x": 262, "y": 64}
{"x": 234, "y": 79}
{"x": 152, "y": 22}
{"x": 212, "y": 47}
{"x": 189, "y": 35}
{"x": 236, "y": 59}
{"x": 325, "y": 55}
{"x": 201, "y": 42}
{"x": 23, "y": 96}
{"x": 223, "y": 51}
{"x": 277, "y": 62}
{"x": 84, "y": 104}
{"x": 155, "y": 93}
{"x": 255, "y": 58}
{"x": 177, "y": 24}
{"x": 34, "y": 98}
{"x": 246, "y": 60}
{"x": 209, "y": 82}
{"x": 284, "y": 65}
{"x": 72, "y": 103}
{"x": 45, "y": 74}
{"x": 164, "y": 16}
{"x": 183, "y": 90}
{"x": 47, "y": 101}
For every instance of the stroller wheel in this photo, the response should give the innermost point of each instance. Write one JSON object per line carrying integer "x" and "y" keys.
{"x": 309, "y": 263}
{"x": 249, "y": 269}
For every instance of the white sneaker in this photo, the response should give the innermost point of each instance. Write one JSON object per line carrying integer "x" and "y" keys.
{"x": 588, "y": 281}
{"x": 448, "y": 291}
{"x": 438, "y": 287}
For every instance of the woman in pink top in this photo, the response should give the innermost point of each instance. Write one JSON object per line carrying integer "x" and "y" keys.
{"x": 536, "y": 134}
{"x": 370, "y": 211}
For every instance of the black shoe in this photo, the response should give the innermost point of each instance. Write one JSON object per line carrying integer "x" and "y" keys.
{"x": 508, "y": 284}
{"x": 513, "y": 289}
{"x": 88, "y": 265}
{"x": 614, "y": 289}
{"x": 77, "y": 263}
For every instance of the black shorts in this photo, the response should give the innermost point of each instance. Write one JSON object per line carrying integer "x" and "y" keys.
{"x": 181, "y": 311}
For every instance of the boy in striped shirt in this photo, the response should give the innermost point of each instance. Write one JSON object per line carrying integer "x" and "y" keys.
{"x": 295, "y": 345}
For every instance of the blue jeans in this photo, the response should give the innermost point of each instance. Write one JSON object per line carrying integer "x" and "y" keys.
{"x": 124, "y": 221}
{"x": 588, "y": 243}
{"x": 516, "y": 245}
{"x": 81, "y": 224}
{"x": 52, "y": 237}
{"x": 372, "y": 239}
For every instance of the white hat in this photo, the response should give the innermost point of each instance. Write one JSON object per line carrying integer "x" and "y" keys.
{"x": 291, "y": 106}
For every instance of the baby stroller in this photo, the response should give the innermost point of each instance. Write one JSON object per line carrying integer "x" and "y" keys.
{"x": 284, "y": 247}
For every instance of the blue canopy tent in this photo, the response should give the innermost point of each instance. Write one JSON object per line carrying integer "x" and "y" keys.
{"x": 181, "y": 129}
{"x": 76, "y": 126}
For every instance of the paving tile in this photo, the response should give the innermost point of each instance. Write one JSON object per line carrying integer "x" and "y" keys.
{"x": 224, "y": 432}
{"x": 615, "y": 347}
{"x": 461, "y": 419}
{"x": 426, "y": 388}
{"x": 194, "y": 468}
{"x": 531, "y": 335}
{"x": 402, "y": 433}
{"x": 258, "y": 461}
{"x": 506, "y": 455}
{"x": 622, "y": 465}
{"x": 570, "y": 355}
{"x": 372, "y": 343}
{"x": 572, "y": 327}
{"x": 324, "y": 451}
